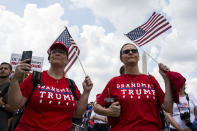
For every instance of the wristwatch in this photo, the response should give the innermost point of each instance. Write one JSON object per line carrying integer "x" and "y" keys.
{"x": 3, "y": 106}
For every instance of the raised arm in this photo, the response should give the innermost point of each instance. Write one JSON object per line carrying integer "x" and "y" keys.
{"x": 15, "y": 97}
{"x": 83, "y": 102}
{"x": 168, "y": 102}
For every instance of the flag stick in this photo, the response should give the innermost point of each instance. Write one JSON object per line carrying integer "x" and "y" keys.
{"x": 146, "y": 53}
{"x": 81, "y": 65}
{"x": 149, "y": 55}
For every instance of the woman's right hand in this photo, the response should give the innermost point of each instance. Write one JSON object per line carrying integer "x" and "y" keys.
{"x": 21, "y": 69}
{"x": 114, "y": 109}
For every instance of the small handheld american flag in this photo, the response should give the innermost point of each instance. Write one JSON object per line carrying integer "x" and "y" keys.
{"x": 73, "y": 50}
{"x": 156, "y": 25}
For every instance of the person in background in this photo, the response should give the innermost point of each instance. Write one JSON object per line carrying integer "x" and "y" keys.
{"x": 184, "y": 116}
{"x": 5, "y": 109}
{"x": 90, "y": 122}
{"x": 138, "y": 98}
{"x": 51, "y": 106}
{"x": 100, "y": 122}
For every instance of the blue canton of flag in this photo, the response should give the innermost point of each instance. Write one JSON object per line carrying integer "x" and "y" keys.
{"x": 65, "y": 37}
{"x": 136, "y": 33}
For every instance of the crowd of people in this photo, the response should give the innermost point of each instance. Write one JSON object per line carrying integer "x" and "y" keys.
{"x": 131, "y": 101}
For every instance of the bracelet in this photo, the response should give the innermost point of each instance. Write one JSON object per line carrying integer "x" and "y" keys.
{"x": 3, "y": 106}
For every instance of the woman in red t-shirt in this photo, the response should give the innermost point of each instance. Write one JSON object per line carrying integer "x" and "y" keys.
{"x": 138, "y": 97}
{"x": 51, "y": 105}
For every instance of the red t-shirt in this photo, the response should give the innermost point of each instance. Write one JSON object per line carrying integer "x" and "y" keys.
{"x": 51, "y": 106}
{"x": 140, "y": 102}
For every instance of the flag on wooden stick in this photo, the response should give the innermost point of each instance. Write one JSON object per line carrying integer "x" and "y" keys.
{"x": 67, "y": 41}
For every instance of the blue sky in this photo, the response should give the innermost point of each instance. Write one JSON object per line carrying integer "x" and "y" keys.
{"x": 97, "y": 26}
{"x": 79, "y": 16}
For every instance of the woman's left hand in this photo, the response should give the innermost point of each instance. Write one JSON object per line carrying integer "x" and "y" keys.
{"x": 162, "y": 69}
{"x": 87, "y": 84}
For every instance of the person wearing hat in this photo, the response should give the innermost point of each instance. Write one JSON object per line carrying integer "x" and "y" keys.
{"x": 5, "y": 109}
{"x": 184, "y": 116}
{"x": 51, "y": 106}
{"x": 137, "y": 98}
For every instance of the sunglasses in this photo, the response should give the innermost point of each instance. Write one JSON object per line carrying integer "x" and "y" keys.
{"x": 58, "y": 51}
{"x": 130, "y": 50}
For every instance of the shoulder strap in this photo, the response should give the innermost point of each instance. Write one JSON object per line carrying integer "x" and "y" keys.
{"x": 187, "y": 97}
{"x": 151, "y": 80}
{"x": 161, "y": 113}
{"x": 72, "y": 87}
{"x": 150, "y": 77}
{"x": 36, "y": 79}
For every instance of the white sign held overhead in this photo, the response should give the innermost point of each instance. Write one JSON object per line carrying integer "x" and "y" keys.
{"x": 36, "y": 62}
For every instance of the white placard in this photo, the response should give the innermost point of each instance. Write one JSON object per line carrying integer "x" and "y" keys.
{"x": 36, "y": 62}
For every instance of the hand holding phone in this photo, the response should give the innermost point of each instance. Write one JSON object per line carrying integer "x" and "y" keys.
{"x": 108, "y": 101}
{"x": 27, "y": 55}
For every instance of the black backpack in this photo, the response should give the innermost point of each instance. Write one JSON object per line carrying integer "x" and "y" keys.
{"x": 35, "y": 82}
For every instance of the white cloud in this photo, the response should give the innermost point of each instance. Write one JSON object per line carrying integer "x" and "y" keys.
{"x": 39, "y": 27}
{"x": 122, "y": 14}
{"x": 191, "y": 85}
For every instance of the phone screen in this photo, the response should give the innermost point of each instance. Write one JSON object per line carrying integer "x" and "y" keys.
{"x": 27, "y": 55}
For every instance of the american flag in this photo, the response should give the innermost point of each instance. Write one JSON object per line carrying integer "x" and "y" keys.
{"x": 156, "y": 25}
{"x": 73, "y": 50}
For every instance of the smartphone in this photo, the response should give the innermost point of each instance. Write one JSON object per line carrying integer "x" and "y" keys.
{"x": 27, "y": 55}
{"x": 108, "y": 101}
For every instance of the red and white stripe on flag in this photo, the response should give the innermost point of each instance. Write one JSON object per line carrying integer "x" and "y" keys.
{"x": 73, "y": 53}
{"x": 156, "y": 25}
